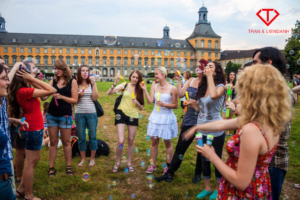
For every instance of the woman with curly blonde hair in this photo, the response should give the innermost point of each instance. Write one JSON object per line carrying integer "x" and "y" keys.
{"x": 59, "y": 116}
{"x": 265, "y": 108}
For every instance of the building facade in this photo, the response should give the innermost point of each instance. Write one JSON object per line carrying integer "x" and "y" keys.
{"x": 112, "y": 54}
{"x": 236, "y": 56}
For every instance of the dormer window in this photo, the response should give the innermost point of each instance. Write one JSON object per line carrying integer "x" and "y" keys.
{"x": 131, "y": 43}
{"x": 60, "y": 41}
{"x": 45, "y": 41}
{"x": 184, "y": 46}
{"x": 171, "y": 45}
{"x": 118, "y": 43}
{"x": 30, "y": 40}
{"x": 177, "y": 45}
{"x": 90, "y": 42}
{"x": 146, "y": 44}
{"x": 75, "y": 41}
{"x": 14, "y": 40}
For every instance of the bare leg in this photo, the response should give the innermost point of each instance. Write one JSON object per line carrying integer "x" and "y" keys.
{"x": 121, "y": 140}
{"x": 154, "y": 150}
{"x": 131, "y": 136}
{"x": 207, "y": 184}
{"x": 169, "y": 150}
{"x": 19, "y": 162}
{"x": 65, "y": 139}
{"x": 53, "y": 135}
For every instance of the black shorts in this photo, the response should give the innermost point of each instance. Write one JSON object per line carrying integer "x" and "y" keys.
{"x": 182, "y": 104}
{"x": 121, "y": 118}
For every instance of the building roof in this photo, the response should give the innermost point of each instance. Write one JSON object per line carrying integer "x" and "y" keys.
{"x": 204, "y": 30}
{"x": 91, "y": 40}
{"x": 236, "y": 54}
{"x": 203, "y": 8}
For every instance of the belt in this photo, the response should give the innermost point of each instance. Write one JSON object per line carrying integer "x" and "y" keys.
{"x": 5, "y": 176}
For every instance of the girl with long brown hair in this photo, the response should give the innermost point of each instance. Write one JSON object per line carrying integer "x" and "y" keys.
{"x": 59, "y": 116}
{"x": 24, "y": 102}
{"x": 127, "y": 114}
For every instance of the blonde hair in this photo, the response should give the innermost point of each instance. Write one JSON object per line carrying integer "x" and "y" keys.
{"x": 264, "y": 97}
{"x": 162, "y": 70}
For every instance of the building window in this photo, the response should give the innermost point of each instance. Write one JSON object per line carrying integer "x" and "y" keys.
{"x": 97, "y": 61}
{"x": 119, "y": 71}
{"x": 60, "y": 50}
{"x": 45, "y": 50}
{"x": 5, "y": 49}
{"x": 111, "y": 72}
{"x": 139, "y": 52}
{"x": 111, "y": 52}
{"x": 90, "y": 51}
{"x": 60, "y": 57}
{"x": 132, "y": 61}
{"x": 217, "y": 55}
{"x": 146, "y": 53}
{"x": 104, "y": 71}
{"x": 125, "y": 52}
{"x": 152, "y": 53}
{"x": 6, "y": 60}
{"x": 209, "y": 44}
{"x": 76, "y": 60}
{"x": 172, "y": 62}
{"x": 178, "y": 54}
{"x": 97, "y": 52}
{"x": 125, "y": 72}
{"x": 202, "y": 43}
{"x": 82, "y": 60}
{"x": 90, "y": 61}
{"x": 152, "y": 61}
{"x": 216, "y": 44}
{"x": 68, "y": 50}
{"x": 52, "y": 60}
{"x": 38, "y": 60}
{"x": 104, "y": 51}
{"x": 52, "y": 50}
{"x": 68, "y": 60}
{"x": 202, "y": 54}
{"x": 126, "y": 61}
{"x": 166, "y": 62}
{"x": 132, "y": 52}
{"x": 46, "y": 60}
{"x": 119, "y": 61}
{"x": 146, "y": 62}
{"x": 21, "y": 50}
{"x": 37, "y": 50}
{"x": 185, "y": 54}
{"x": 14, "y": 50}
{"x": 172, "y": 53}
{"x": 119, "y": 52}
{"x": 75, "y": 51}
{"x": 111, "y": 63}
{"x": 192, "y": 62}
{"x": 196, "y": 43}
{"x": 104, "y": 61}
{"x": 209, "y": 54}
{"x": 140, "y": 61}
{"x": 82, "y": 51}
{"x": 14, "y": 58}
{"x": 29, "y": 50}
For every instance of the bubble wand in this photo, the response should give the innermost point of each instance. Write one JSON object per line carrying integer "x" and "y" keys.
{"x": 18, "y": 127}
{"x": 229, "y": 99}
{"x": 55, "y": 100}
{"x": 185, "y": 102}
{"x": 121, "y": 77}
{"x": 83, "y": 88}
{"x": 157, "y": 100}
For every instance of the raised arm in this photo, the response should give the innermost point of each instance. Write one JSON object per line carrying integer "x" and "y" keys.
{"x": 13, "y": 71}
{"x": 95, "y": 90}
{"x": 181, "y": 90}
{"x": 149, "y": 98}
{"x": 113, "y": 89}
{"x": 213, "y": 91}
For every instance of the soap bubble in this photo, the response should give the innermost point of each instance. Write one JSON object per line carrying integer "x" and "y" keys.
{"x": 296, "y": 35}
{"x": 167, "y": 52}
{"x": 150, "y": 181}
{"x": 151, "y": 161}
{"x": 110, "y": 40}
{"x": 121, "y": 146}
{"x": 124, "y": 159}
{"x": 160, "y": 43}
{"x": 136, "y": 56}
{"x": 158, "y": 58}
{"x": 104, "y": 127}
{"x": 180, "y": 157}
{"x": 85, "y": 176}
{"x": 287, "y": 65}
{"x": 87, "y": 131}
{"x": 292, "y": 52}
{"x": 118, "y": 116}
{"x": 131, "y": 119}
{"x": 148, "y": 137}
{"x": 148, "y": 152}
{"x": 108, "y": 186}
{"x": 298, "y": 62}
{"x": 136, "y": 150}
{"x": 110, "y": 197}
{"x": 31, "y": 60}
{"x": 203, "y": 117}
{"x": 140, "y": 116}
{"x": 114, "y": 183}
{"x": 164, "y": 165}
{"x": 142, "y": 163}
{"x": 133, "y": 196}
{"x": 126, "y": 170}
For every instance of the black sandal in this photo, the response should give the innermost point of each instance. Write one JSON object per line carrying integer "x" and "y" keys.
{"x": 51, "y": 172}
{"x": 18, "y": 181}
{"x": 20, "y": 195}
{"x": 69, "y": 171}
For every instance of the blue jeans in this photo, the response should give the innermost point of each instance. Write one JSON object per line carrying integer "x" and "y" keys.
{"x": 6, "y": 190}
{"x": 277, "y": 177}
{"x": 90, "y": 121}
{"x": 61, "y": 122}
{"x": 33, "y": 139}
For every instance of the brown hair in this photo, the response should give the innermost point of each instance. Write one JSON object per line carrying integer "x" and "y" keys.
{"x": 1, "y": 57}
{"x": 79, "y": 78}
{"x": 62, "y": 65}
{"x": 188, "y": 75}
{"x": 295, "y": 75}
{"x": 138, "y": 90}
{"x": 46, "y": 107}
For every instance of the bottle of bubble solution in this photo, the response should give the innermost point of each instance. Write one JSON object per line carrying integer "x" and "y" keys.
{"x": 209, "y": 141}
{"x": 199, "y": 139}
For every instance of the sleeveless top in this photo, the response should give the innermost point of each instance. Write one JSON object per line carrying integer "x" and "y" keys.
{"x": 85, "y": 104}
{"x": 260, "y": 185}
{"x": 210, "y": 111}
{"x": 127, "y": 106}
{"x": 63, "y": 107}
{"x": 190, "y": 118}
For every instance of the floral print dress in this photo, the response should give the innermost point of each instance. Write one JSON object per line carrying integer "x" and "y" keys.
{"x": 260, "y": 186}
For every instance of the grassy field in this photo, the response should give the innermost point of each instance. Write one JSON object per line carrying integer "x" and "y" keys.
{"x": 133, "y": 184}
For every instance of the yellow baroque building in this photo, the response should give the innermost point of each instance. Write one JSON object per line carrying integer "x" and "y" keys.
{"x": 112, "y": 54}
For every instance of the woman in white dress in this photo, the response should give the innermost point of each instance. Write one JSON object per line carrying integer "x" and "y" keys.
{"x": 162, "y": 121}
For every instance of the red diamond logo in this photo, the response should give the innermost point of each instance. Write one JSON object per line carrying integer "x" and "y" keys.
{"x": 268, "y": 22}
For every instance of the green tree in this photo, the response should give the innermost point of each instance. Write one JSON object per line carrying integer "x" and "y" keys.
{"x": 232, "y": 67}
{"x": 292, "y": 51}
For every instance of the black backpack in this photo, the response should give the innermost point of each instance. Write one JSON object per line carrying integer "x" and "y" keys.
{"x": 118, "y": 100}
{"x": 74, "y": 145}
{"x": 103, "y": 149}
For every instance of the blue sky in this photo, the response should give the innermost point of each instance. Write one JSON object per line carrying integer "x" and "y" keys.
{"x": 230, "y": 19}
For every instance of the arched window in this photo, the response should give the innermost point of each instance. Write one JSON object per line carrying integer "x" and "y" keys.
{"x": 97, "y": 52}
{"x": 204, "y": 17}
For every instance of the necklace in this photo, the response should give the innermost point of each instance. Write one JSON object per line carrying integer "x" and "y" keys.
{"x": 162, "y": 87}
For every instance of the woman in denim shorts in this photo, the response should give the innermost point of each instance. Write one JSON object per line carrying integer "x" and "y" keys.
{"x": 85, "y": 114}
{"x": 59, "y": 116}
{"x": 24, "y": 102}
